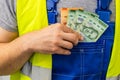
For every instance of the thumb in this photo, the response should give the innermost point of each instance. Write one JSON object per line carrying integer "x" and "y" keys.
{"x": 80, "y": 37}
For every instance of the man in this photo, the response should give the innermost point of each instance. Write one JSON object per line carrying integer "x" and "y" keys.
{"x": 15, "y": 51}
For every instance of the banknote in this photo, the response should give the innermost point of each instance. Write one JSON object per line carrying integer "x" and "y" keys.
{"x": 64, "y": 14}
{"x": 71, "y": 19}
{"x": 90, "y": 14}
{"x": 65, "y": 11}
{"x": 87, "y": 24}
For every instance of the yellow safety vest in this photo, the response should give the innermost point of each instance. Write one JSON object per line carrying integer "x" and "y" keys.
{"x": 31, "y": 16}
{"x": 114, "y": 66}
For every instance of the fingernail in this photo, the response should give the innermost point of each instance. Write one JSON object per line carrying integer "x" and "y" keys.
{"x": 81, "y": 38}
{"x": 68, "y": 53}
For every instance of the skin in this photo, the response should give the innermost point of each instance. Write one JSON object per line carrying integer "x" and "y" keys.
{"x": 15, "y": 51}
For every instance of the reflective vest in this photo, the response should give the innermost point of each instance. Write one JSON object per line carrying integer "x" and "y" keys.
{"x": 32, "y": 15}
{"x": 114, "y": 66}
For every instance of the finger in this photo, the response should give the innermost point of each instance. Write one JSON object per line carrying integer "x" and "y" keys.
{"x": 71, "y": 37}
{"x": 80, "y": 37}
{"x": 65, "y": 44}
{"x": 62, "y": 51}
{"x": 67, "y": 29}
{"x": 55, "y": 50}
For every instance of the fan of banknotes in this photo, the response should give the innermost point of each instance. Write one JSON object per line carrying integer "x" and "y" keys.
{"x": 86, "y": 23}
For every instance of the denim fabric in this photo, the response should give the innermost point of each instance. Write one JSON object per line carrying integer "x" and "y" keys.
{"x": 85, "y": 62}
{"x": 88, "y": 61}
{"x": 109, "y": 39}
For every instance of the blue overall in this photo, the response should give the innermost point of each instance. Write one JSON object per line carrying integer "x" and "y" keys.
{"x": 88, "y": 61}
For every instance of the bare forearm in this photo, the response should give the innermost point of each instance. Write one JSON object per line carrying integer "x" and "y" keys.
{"x": 13, "y": 55}
{"x": 56, "y": 38}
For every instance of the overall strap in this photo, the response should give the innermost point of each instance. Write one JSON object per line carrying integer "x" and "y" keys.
{"x": 105, "y": 14}
{"x": 52, "y": 11}
{"x": 103, "y": 10}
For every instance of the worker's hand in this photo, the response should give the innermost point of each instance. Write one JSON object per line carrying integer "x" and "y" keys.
{"x": 56, "y": 38}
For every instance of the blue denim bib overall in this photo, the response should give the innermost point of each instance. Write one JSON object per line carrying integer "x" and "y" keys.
{"x": 88, "y": 61}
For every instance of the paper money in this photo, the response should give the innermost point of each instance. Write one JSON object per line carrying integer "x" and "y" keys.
{"x": 91, "y": 14}
{"x": 64, "y": 14}
{"x": 71, "y": 19}
{"x": 87, "y": 24}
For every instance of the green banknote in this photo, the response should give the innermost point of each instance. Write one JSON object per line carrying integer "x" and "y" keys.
{"x": 91, "y": 14}
{"x": 71, "y": 19}
{"x": 87, "y": 24}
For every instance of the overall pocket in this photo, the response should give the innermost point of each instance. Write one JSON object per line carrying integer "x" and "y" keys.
{"x": 84, "y": 63}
